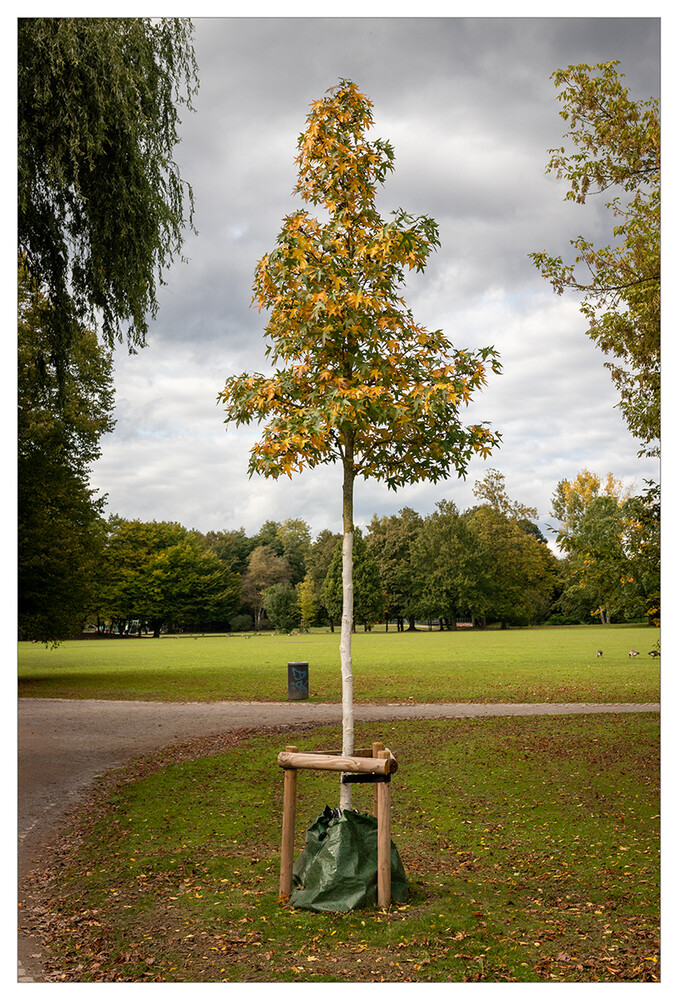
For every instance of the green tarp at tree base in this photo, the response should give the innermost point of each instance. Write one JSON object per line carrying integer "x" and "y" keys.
{"x": 337, "y": 869}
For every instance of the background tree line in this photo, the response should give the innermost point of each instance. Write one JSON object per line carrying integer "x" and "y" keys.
{"x": 486, "y": 565}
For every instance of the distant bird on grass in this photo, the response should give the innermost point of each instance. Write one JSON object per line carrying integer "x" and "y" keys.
{"x": 653, "y": 652}
{"x": 599, "y": 653}
{"x": 633, "y": 652}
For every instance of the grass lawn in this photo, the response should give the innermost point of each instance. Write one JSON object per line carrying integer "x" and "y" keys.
{"x": 530, "y": 845}
{"x": 542, "y": 664}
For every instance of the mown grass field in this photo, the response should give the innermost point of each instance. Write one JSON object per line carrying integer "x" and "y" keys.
{"x": 543, "y": 664}
{"x": 530, "y": 845}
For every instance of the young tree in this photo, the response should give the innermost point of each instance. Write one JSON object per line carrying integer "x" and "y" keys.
{"x": 359, "y": 381}
{"x": 100, "y": 199}
{"x": 616, "y": 147}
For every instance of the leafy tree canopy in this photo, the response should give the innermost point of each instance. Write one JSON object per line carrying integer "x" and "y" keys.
{"x": 281, "y": 604}
{"x": 390, "y": 539}
{"x": 518, "y": 572}
{"x": 265, "y": 568}
{"x": 360, "y": 381}
{"x": 614, "y": 145}
{"x": 100, "y": 198}
{"x": 613, "y": 542}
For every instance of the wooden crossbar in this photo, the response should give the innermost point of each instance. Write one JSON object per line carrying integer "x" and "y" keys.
{"x": 330, "y": 762}
{"x": 362, "y": 753}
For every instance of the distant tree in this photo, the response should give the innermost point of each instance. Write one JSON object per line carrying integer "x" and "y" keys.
{"x": 492, "y": 490}
{"x": 294, "y": 535}
{"x": 368, "y": 595}
{"x": 598, "y": 566}
{"x": 122, "y": 573}
{"x": 643, "y": 544}
{"x": 390, "y": 540}
{"x": 518, "y": 572}
{"x": 572, "y": 499}
{"x": 281, "y": 605}
{"x": 268, "y": 535}
{"x": 448, "y": 581}
{"x": 160, "y": 574}
{"x": 100, "y": 199}
{"x": 60, "y": 539}
{"x": 318, "y": 563}
{"x": 613, "y": 564}
{"x": 187, "y": 587}
{"x": 530, "y": 528}
{"x": 61, "y": 420}
{"x": 308, "y": 605}
{"x": 264, "y": 569}
{"x": 360, "y": 382}
{"x": 232, "y": 547}
{"x": 614, "y": 145}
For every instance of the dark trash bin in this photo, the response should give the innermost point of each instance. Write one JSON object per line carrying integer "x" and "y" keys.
{"x": 297, "y": 681}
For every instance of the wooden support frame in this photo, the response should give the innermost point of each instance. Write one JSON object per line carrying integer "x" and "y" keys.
{"x": 379, "y": 763}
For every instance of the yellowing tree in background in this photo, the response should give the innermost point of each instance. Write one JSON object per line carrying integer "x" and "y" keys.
{"x": 572, "y": 499}
{"x": 612, "y": 563}
{"x": 358, "y": 380}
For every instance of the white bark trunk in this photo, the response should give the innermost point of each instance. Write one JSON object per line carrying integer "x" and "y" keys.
{"x": 345, "y": 799}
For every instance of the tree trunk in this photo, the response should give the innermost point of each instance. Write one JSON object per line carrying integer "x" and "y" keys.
{"x": 345, "y": 799}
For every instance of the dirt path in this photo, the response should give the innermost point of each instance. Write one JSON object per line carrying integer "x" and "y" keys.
{"x": 64, "y": 745}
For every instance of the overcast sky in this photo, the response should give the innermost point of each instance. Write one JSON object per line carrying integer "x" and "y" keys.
{"x": 471, "y": 111}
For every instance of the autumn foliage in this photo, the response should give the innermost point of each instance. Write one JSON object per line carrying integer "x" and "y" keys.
{"x": 358, "y": 379}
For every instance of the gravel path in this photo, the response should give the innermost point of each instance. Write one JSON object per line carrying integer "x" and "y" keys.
{"x": 64, "y": 745}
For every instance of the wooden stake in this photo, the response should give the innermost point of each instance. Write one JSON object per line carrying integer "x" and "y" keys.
{"x": 384, "y": 840}
{"x": 289, "y": 814}
{"x": 376, "y": 747}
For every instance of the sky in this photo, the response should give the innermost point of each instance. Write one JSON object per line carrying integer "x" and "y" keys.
{"x": 471, "y": 111}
